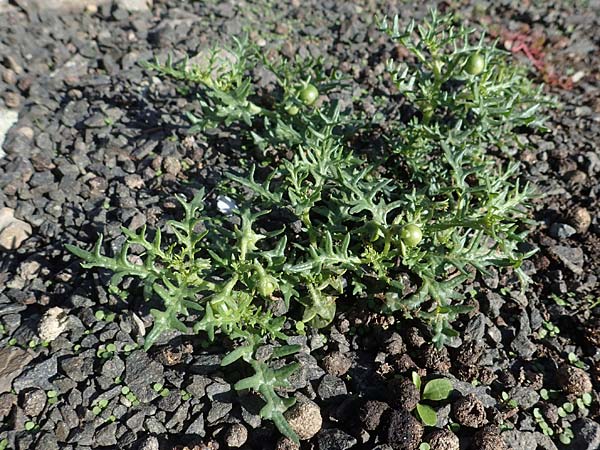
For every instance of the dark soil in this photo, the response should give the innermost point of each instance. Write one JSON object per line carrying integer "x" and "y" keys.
{"x": 100, "y": 142}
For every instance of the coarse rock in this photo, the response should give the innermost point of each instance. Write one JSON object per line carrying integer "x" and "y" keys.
{"x": 571, "y": 257}
{"x": 394, "y": 345}
{"x": 519, "y": 440}
{"x": 135, "y": 5}
{"x": 53, "y": 323}
{"x": 371, "y": 413}
{"x": 286, "y": 443}
{"x": 150, "y": 443}
{"x": 443, "y": 439}
{"x": 525, "y": 396}
{"x": 7, "y": 401}
{"x": 522, "y": 343}
{"x": 469, "y": 411}
{"x": 8, "y": 118}
{"x": 12, "y": 230}
{"x": 331, "y": 387}
{"x": 405, "y": 393}
{"x": 403, "y": 431}
{"x": 38, "y": 375}
{"x": 336, "y": 364}
{"x": 305, "y": 418}
{"x": 12, "y": 362}
{"x": 574, "y": 380}
{"x": 47, "y": 441}
{"x": 236, "y": 435}
{"x": 561, "y": 230}
{"x": 587, "y": 434}
{"x": 334, "y": 439}
{"x": 488, "y": 439}
{"x": 77, "y": 368}
{"x": 141, "y": 373}
{"x": 580, "y": 218}
{"x": 67, "y": 5}
{"x": 172, "y": 165}
{"x": 33, "y": 402}
{"x": 106, "y": 436}
{"x": 436, "y": 359}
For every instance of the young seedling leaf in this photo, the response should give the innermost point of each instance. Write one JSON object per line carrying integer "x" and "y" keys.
{"x": 427, "y": 414}
{"x": 438, "y": 389}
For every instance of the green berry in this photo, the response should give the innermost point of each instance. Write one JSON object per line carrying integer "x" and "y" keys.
{"x": 309, "y": 95}
{"x": 475, "y": 64}
{"x": 411, "y": 235}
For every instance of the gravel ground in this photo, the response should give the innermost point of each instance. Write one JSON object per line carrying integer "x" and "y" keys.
{"x": 92, "y": 141}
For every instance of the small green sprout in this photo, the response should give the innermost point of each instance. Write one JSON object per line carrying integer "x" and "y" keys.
{"x": 435, "y": 390}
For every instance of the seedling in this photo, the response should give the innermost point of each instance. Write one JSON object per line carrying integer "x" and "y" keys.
{"x": 100, "y": 406}
{"x": 575, "y": 361}
{"x": 549, "y": 329}
{"x": 539, "y": 418}
{"x": 160, "y": 389}
{"x": 435, "y": 390}
{"x": 511, "y": 403}
{"x": 52, "y": 397}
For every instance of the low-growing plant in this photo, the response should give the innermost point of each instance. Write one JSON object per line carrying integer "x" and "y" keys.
{"x": 434, "y": 390}
{"x": 331, "y": 222}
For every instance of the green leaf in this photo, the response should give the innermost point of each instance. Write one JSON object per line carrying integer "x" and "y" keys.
{"x": 416, "y": 379}
{"x": 438, "y": 389}
{"x": 427, "y": 414}
{"x": 240, "y": 352}
{"x": 284, "y": 427}
{"x": 285, "y": 350}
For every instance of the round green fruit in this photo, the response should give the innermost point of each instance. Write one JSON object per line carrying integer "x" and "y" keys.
{"x": 309, "y": 94}
{"x": 475, "y": 64}
{"x": 411, "y": 235}
{"x": 292, "y": 110}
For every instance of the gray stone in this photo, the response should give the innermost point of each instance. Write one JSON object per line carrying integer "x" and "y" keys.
{"x": 7, "y": 119}
{"x": 47, "y": 441}
{"x": 544, "y": 442}
{"x": 218, "y": 390}
{"x": 12, "y": 230}
{"x": 154, "y": 426}
{"x": 135, "y": 5}
{"x": 150, "y": 443}
{"x": 525, "y": 396}
{"x": 571, "y": 257}
{"x": 141, "y": 373}
{"x": 587, "y": 435}
{"x": 520, "y": 440}
{"x": 12, "y": 362}
{"x": 198, "y": 386}
{"x": 38, "y": 376}
{"x": 562, "y": 230}
{"x": 197, "y": 426}
{"x": 334, "y": 439}
{"x": 331, "y": 387}
{"x": 77, "y": 368}
{"x": 464, "y": 388}
{"x": 476, "y": 328}
{"x": 106, "y": 436}
{"x": 217, "y": 411}
{"x": 521, "y": 344}
{"x": 34, "y": 402}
